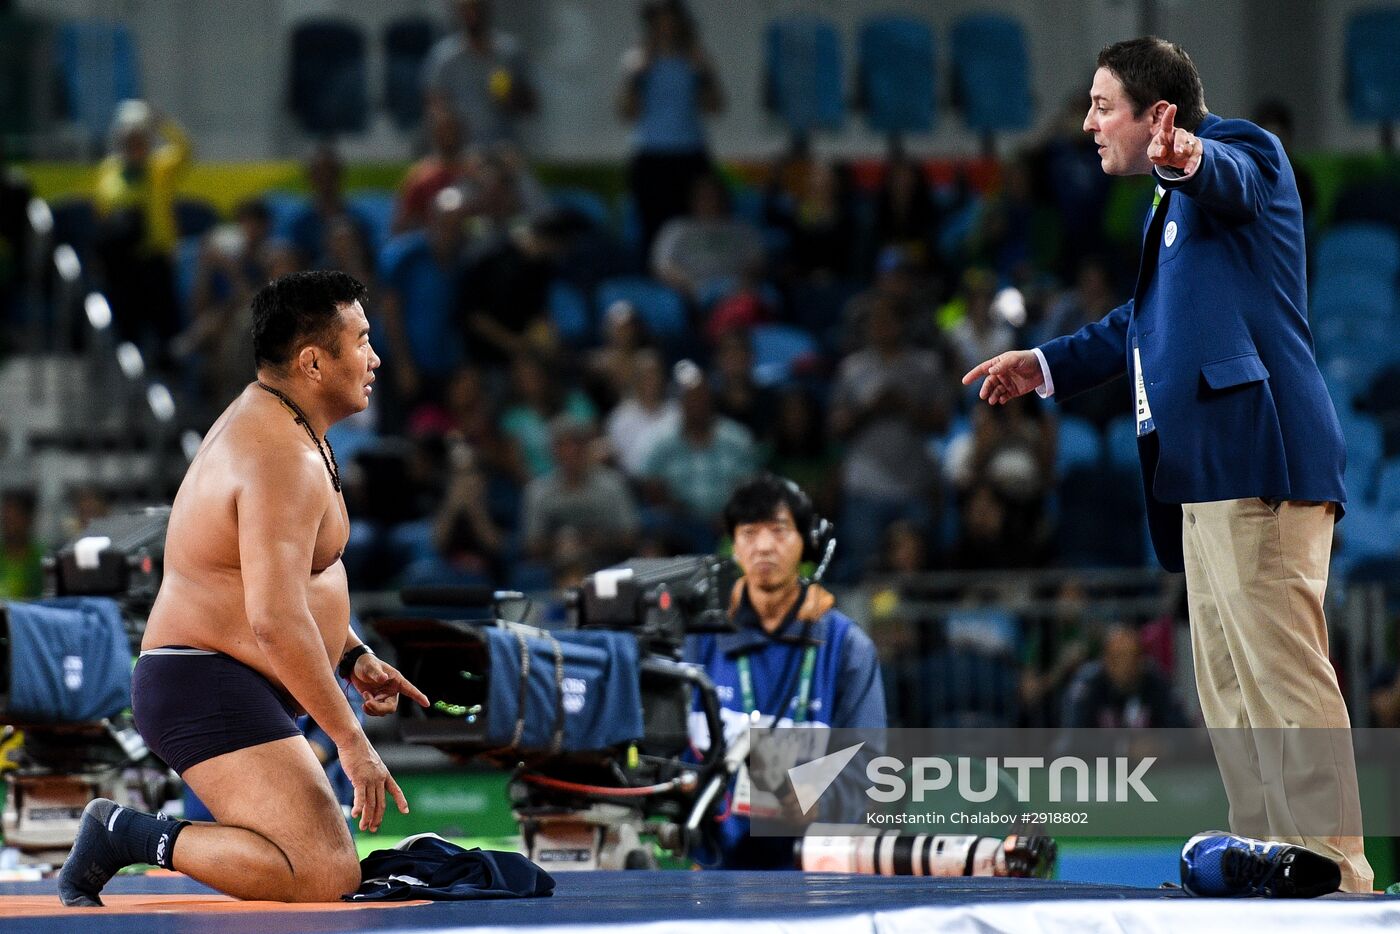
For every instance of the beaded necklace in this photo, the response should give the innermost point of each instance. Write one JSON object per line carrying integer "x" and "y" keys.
{"x": 331, "y": 466}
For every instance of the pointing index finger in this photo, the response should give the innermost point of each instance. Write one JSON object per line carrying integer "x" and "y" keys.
{"x": 1169, "y": 124}
{"x": 981, "y": 369}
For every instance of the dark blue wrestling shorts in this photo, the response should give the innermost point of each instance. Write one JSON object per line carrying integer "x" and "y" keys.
{"x": 192, "y": 704}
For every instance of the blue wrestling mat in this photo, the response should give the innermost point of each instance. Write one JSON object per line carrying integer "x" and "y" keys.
{"x": 617, "y": 902}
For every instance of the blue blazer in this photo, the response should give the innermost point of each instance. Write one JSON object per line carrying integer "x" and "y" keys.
{"x": 1219, "y": 317}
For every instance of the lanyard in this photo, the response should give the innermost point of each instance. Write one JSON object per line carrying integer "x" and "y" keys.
{"x": 804, "y": 684}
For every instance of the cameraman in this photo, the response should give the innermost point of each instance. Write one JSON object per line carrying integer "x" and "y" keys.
{"x": 795, "y": 660}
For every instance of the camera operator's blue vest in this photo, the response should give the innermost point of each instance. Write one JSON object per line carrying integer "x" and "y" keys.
{"x": 845, "y": 691}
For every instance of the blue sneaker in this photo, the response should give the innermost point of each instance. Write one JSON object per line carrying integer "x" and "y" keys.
{"x": 1216, "y": 864}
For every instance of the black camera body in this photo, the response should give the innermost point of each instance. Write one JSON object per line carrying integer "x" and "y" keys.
{"x": 594, "y": 718}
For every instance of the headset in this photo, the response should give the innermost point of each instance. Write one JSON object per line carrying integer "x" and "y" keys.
{"x": 819, "y": 534}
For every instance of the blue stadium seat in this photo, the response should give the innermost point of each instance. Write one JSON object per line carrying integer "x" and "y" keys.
{"x": 778, "y": 349}
{"x": 1353, "y": 295}
{"x": 1372, "y": 67}
{"x": 406, "y": 43}
{"x": 1367, "y": 249}
{"x": 1349, "y": 376}
{"x": 1364, "y": 532}
{"x": 1080, "y": 444}
{"x": 991, "y": 73}
{"x": 661, "y": 308}
{"x": 1360, "y": 482}
{"x": 802, "y": 74}
{"x": 285, "y": 207}
{"x": 1365, "y": 441}
{"x": 97, "y": 67}
{"x": 328, "y": 77}
{"x": 584, "y": 202}
{"x": 568, "y": 310}
{"x": 1388, "y": 486}
{"x": 376, "y": 210}
{"x": 895, "y": 74}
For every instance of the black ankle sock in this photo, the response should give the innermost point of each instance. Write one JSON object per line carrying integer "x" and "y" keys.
{"x": 145, "y": 838}
{"x": 110, "y": 837}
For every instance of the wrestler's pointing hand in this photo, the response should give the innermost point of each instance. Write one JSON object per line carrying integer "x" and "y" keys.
{"x": 372, "y": 783}
{"x": 380, "y": 684}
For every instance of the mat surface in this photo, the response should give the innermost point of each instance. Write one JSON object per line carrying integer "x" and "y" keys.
{"x": 31, "y": 906}
{"x": 754, "y": 902}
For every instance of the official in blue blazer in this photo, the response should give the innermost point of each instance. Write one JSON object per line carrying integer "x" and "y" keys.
{"x": 1241, "y": 451}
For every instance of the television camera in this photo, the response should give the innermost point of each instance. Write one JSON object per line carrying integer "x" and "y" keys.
{"x": 65, "y": 685}
{"x": 592, "y": 718}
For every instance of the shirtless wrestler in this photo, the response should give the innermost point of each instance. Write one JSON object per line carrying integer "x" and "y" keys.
{"x": 250, "y": 627}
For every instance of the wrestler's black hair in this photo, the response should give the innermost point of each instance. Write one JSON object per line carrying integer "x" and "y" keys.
{"x": 1153, "y": 70}
{"x": 758, "y": 499}
{"x": 298, "y": 308}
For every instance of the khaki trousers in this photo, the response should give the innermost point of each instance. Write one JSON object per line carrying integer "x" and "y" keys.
{"x": 1256, "y": 573}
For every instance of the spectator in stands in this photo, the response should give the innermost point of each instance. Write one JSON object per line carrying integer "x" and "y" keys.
{"x": 975, "y": 330}
{"x": 644, "y": 415}
{"x": 822, "y": 225}
{"x": 1053, "y": 651}
{"x": 468, "y": 543}
{"x": 581, "y": 494}
{"x": 419, "y": 302}
{"x": 21, "y": 554}
{"x": 348, "y": 251}
{"x": 1011, "y": 452}
{"x": 136, "y": 230}
{"x": 230, "y": 269}
{"x": 539, "y": 395}
{"x": 308, "y": 227}
{"x": 798, "y": 447}
{"x": 708, "y": 244}
{"x": 444, "y": 165}
{"x": 481, "y": 75}
{"x": 898, "y": 280}
{"x": 1003, "y": 239}
{"x": 904, "y": 212}
{"x": 501, "y": 194}
{"x": 985, "y": 540}
{"x": 887, "y": 398}
{"x": 693, "y": 469}
{"x": 1065, "y": 172}
{"x": 86, "y": 503}
{"x": 737, "y": 395}
{"x": 504, "y": 292}
{"x": 1122, "y": 689}
{"x": 612, "y": 368}
{"x": 903, "y": 549}
{"x": 1092, "y": 297}
{"x": 668, "y": 85}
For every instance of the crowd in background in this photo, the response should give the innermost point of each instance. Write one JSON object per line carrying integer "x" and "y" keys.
{"x": 507, "y": 445}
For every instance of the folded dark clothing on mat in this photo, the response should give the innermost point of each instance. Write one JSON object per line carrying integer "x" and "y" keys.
{"x": 427, "y": 866}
